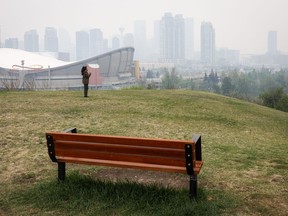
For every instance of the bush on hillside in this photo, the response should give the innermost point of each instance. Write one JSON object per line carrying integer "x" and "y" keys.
{"x": 275, "y": 98}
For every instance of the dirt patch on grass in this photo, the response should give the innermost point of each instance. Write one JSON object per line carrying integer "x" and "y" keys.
{"x": 172, "y": 180}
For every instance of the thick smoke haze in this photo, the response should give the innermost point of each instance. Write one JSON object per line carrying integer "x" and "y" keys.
{"x": 242, "y": 25}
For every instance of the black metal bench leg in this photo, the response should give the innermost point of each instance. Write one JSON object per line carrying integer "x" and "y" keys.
{"x": 193, "y": 187}
{"x": 61, "y": 171}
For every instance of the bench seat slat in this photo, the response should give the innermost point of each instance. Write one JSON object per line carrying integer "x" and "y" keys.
{"x": 162, "y": 160}
{"x": 178, "y": 144}
{"x": 127, "y": 149}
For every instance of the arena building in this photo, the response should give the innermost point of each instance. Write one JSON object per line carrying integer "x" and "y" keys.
{"x": 25, "y": 70}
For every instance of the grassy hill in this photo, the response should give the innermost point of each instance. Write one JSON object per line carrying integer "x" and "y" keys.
{"x": 245, "y": 149}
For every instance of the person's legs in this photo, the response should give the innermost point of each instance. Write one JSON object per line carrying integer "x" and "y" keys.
{"x": 85, "y": 90}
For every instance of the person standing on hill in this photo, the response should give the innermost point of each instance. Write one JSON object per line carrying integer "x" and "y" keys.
{"x": 85, "y": 79}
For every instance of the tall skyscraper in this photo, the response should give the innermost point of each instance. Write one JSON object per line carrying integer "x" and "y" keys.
{"x": 179, "y": 44}
{"x": 51, "y": 39}
{"x": 96, "y": 42}
{"x": 31, "y": 41}
{"x": 156, "y": 39}
{"x": 272, "y": 43}
{"x": 167, "y": 36}
{"x": 189, "y": 38}
{"x": 207, "y": 44}
{"x": 82, "y": 45}
{"x": 172, "y": 38}
{"x": 140, "y": 39}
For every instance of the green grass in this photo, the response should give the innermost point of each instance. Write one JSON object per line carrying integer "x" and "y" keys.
{"x": 244, "y": 145}
{"x": 82, "y": 195}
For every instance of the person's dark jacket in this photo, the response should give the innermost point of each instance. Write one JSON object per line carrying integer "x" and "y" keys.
{"x": 85, "y": 77}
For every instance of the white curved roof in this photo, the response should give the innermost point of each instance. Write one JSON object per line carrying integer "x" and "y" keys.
{"x": 12, "y": 58}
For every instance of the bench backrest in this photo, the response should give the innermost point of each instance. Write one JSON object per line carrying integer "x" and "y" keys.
{"x": 142, "y": 153}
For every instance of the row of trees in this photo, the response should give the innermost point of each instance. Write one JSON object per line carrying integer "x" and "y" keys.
{"x": 263, "y": 86}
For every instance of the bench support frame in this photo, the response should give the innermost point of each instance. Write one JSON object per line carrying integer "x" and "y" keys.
{"x": 61, "y": 171}
{"x": 189, "y": 164}
{"x": 51, "y": 152}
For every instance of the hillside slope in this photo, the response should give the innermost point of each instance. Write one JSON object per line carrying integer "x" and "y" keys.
{"x": 245, "y": 145}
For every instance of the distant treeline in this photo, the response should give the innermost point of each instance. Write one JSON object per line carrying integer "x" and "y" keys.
{"x": 264, "y": 86}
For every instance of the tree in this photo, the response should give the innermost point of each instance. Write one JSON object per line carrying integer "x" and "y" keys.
{"x": 227, "y": 86}
{"x": 216, "y": 88}
{"x": 205, "y": 77}
{"x": 149, "y": 74}
{"x": 275, "y": 98}
{"x": 170, "y": 80}
{"x": 283, "y": 104}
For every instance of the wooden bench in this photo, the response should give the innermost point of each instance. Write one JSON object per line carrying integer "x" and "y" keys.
{"x": 164, "y": 155}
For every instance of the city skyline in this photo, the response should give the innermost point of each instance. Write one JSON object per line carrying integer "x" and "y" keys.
{"x": 172, "y": 43}
{"x": 241, "y": 25}
{"x": 60, "y": 32}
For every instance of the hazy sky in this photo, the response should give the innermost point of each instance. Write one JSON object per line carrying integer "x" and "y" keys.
{"x": 239, "y": 24}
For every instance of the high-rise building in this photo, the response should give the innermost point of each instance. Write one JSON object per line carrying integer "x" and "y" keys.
{"x": 207, "y": 44}
{"x": 179, "y": 44}
{"x": 11, "y": 43}
{"x": 51, "y": 39}
{"x": 167, "y": 38}
{"x": 96, "y": 42}
{"x": 156, "y": 39}
{"x": 82, "y": 45}
{"x": 31, "y": 41}
{"x": 172, "y": 38}
{"x": 272, "y": 43}
{"x": 189, "y": 38}
{"x": 140, "y": 39}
